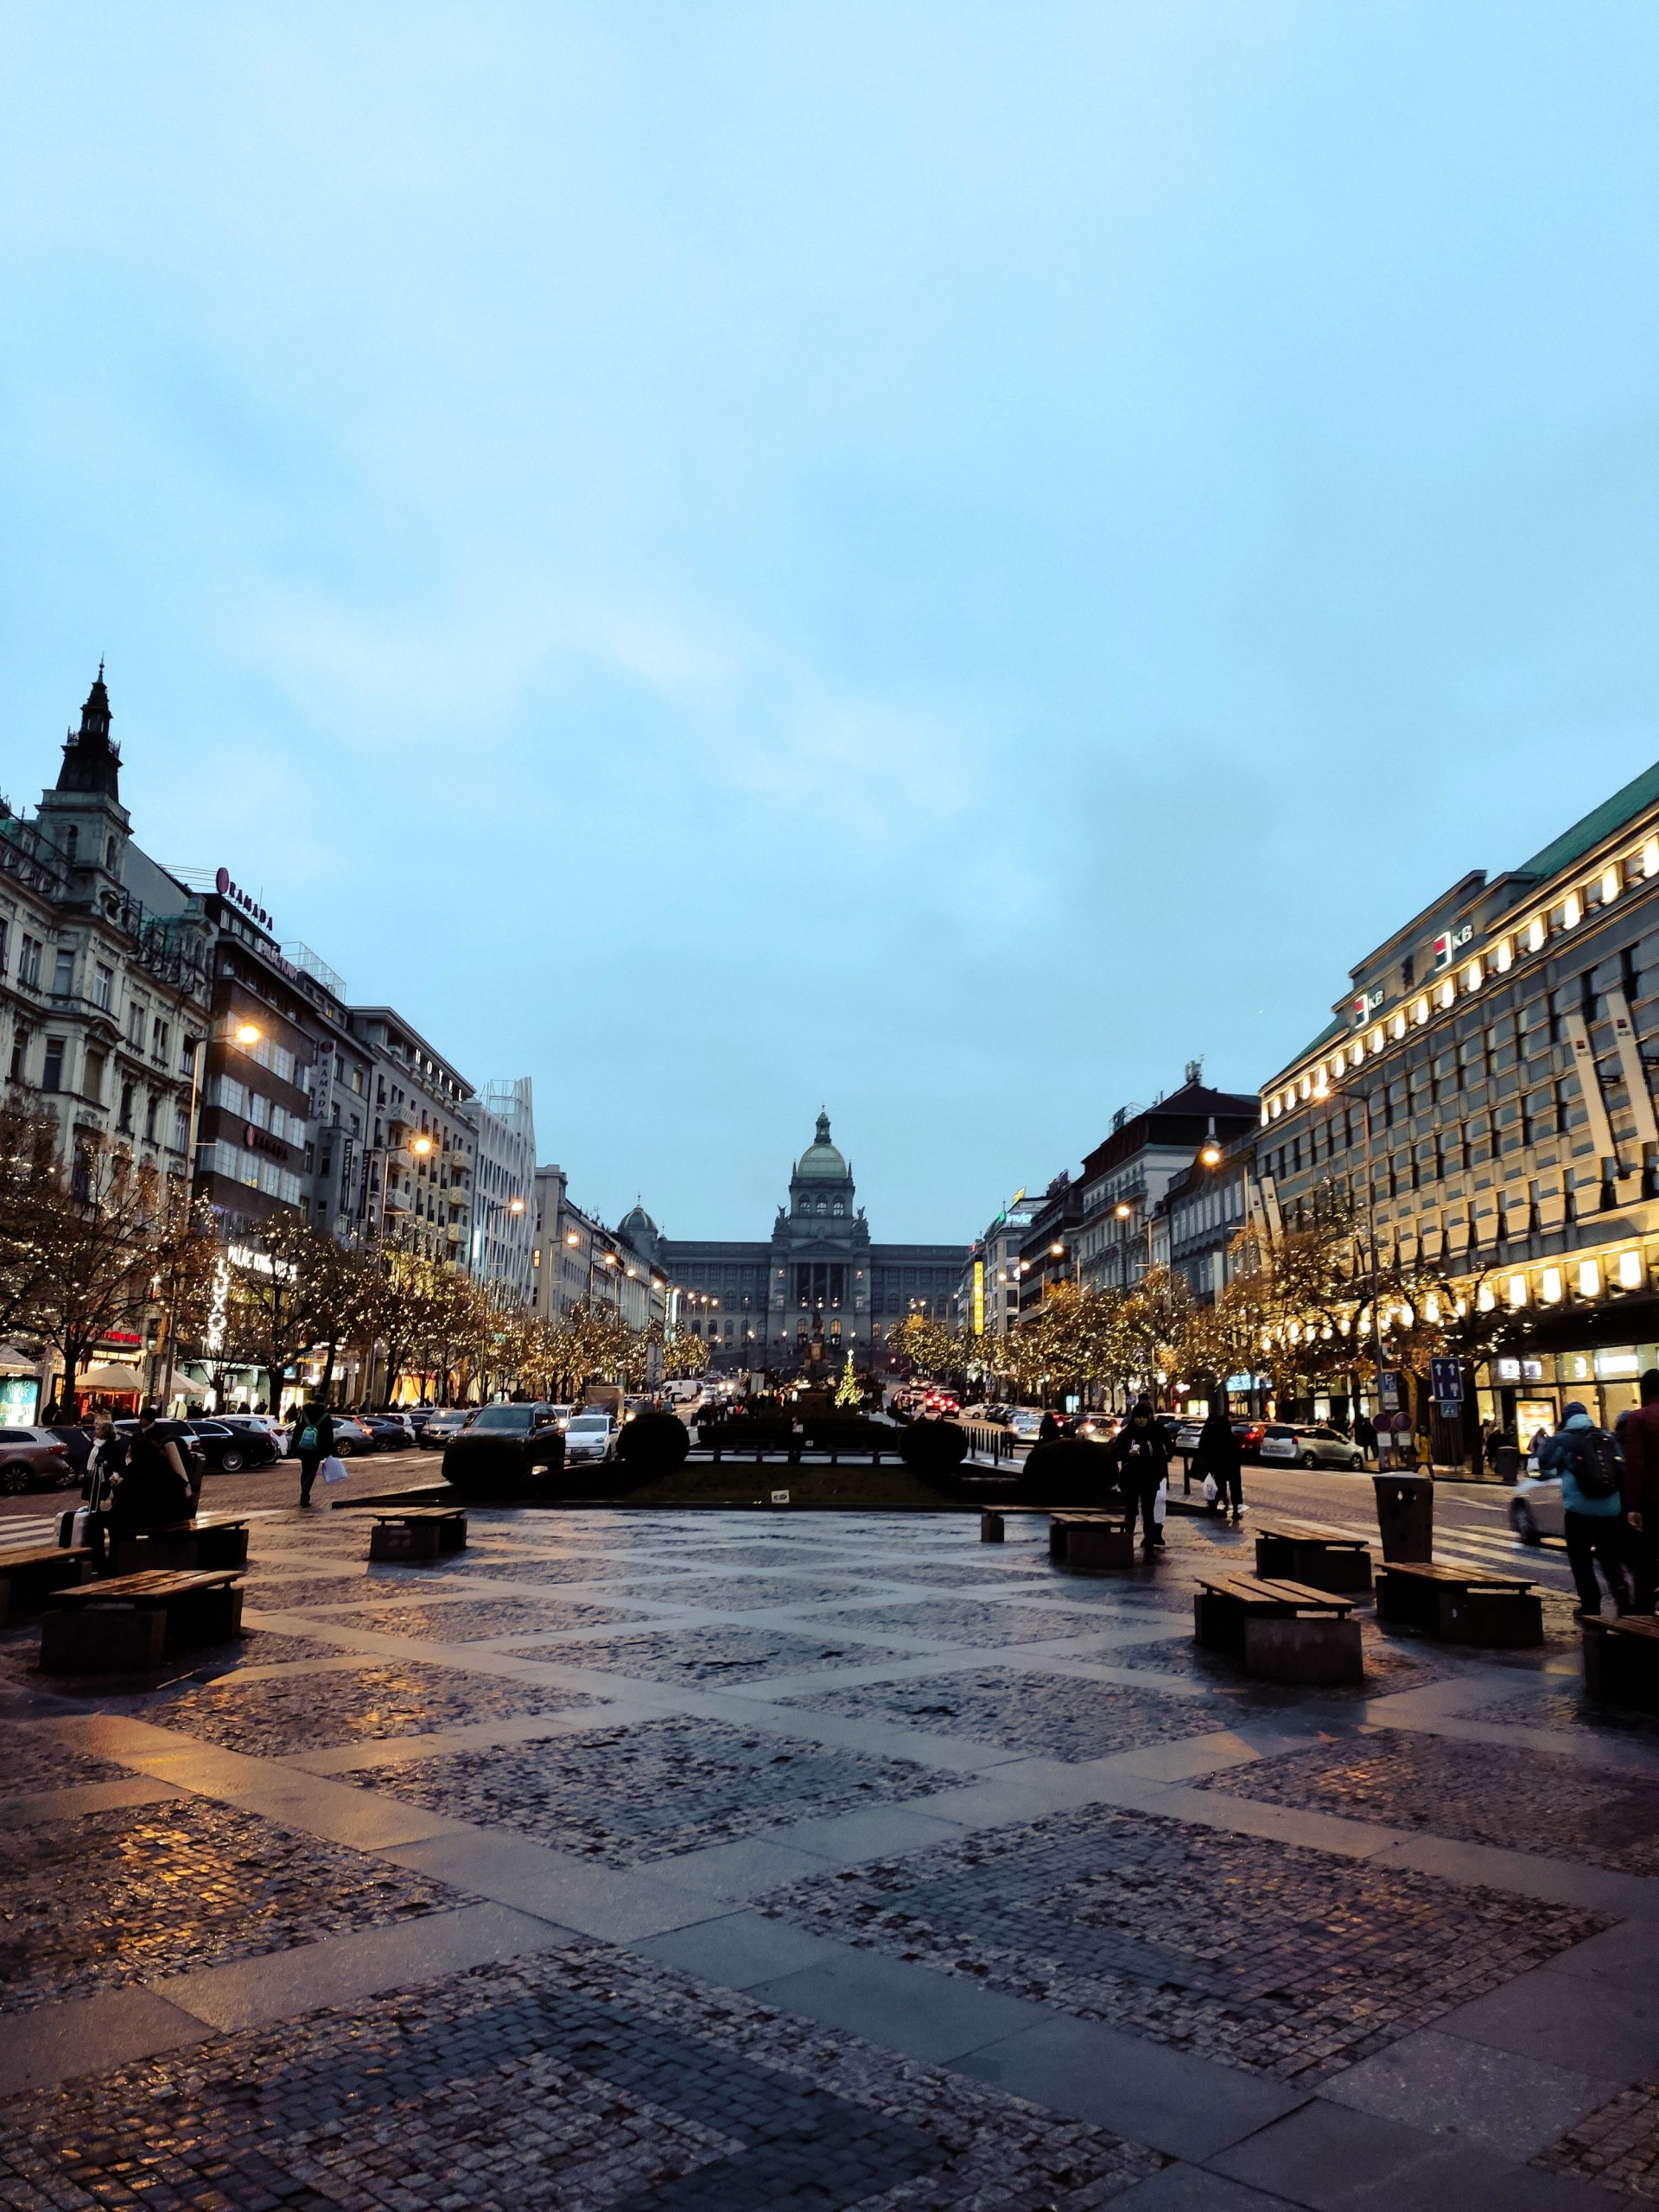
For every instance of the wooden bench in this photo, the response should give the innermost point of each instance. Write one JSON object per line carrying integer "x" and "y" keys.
{"x": 28, "y": 1578}
{"x": 1459, "y": 1604}
{"x": 419, "y": 1534}
{"x": 1320, "y": 1558}
{"x": 1090, "y": 1543}
{"x": 1283, "y": 1631}
{"x": 210, "y": 1542}
{"x": 1621, "y": 1660}
{"x": 137, "y": 1620}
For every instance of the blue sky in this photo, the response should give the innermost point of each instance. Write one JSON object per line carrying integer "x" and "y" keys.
{"x": 940, "y": 560}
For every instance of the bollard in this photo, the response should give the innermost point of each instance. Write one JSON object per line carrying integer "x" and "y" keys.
{"x": 990, "y": 1528}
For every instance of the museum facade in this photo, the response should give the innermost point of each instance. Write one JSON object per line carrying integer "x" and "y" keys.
{"x": 760, "y": 1306}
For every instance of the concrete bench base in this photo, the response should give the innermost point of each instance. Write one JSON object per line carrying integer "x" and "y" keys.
{"x": 991, "y": 1529}
{"x": 415, "y": 1542}
{"x": 105, "y": 1640}
{"x": 1099, "y": 1547}
{"x": 1303, "y": 1651}
{"x": 1621, "y": 1664}
{"x": 1341, "y": 1568}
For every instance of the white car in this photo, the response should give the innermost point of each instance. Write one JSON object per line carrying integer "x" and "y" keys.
{"x": 1536, "y": 1509}
{"x": 1298, "y": 1445}
{"x": 1023, "y": 1423}
{"x": 588, "y": 1436}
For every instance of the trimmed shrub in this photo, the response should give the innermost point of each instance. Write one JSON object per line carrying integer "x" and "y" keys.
{"x": 1070, "y": 1471}
{"x": 653, "y": 1444}
{"x": 933, "y": 1450}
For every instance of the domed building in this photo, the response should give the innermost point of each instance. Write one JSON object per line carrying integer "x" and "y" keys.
{"x": 759, "y": 1305}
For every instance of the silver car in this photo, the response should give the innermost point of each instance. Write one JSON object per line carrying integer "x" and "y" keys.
{"x": 1296, "y": 1444}
{"x": 588, "y": 1436}
{"x": 1536, "y": 1509}
{"x": 445, "y": 1425}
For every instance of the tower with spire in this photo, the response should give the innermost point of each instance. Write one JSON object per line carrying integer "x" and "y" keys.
{"x": 82, "y": 814}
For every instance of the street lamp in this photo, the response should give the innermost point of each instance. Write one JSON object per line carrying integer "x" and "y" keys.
{"x": 1210, "y": 1155}
{"x": 248, "y": 1033}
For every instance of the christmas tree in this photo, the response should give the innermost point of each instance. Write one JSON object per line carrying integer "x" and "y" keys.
{"x": 847, "y": 1390}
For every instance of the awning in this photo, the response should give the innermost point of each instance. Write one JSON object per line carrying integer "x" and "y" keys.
{"x": 108, "y": 1379}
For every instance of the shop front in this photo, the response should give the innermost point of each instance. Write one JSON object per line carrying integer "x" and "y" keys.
{"x": 1524, "y": 1393}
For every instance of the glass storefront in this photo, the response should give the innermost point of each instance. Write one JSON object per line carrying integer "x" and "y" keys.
{"x": 1524, "y": 1393}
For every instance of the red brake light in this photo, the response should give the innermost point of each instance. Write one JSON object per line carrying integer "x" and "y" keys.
{"x": 62, "y": 1450}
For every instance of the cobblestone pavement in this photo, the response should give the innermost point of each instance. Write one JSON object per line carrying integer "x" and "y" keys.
{"x": 125, "y": 1896}
{"x": 1062, "y": 1716}
{"x": 1061, "y": 1869}
{"x": 627, "y": 1796}
{"x": 312, "y": 1710}
{"x": 714, "y": 1654}
{"x": 1268, "y": 1957}
{"x": 582, "y": 2080}
{"x": 965, "y": 1620}
{"x": 1480, "y": 1793}
{"x": 1617, "y": 2145}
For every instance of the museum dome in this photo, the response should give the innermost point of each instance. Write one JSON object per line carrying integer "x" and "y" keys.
{"x": 637, "y": 1221}
{"x": 821, "y": 1162}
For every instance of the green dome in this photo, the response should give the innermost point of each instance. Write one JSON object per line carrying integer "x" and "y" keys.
{"x": 821, "y": 1162}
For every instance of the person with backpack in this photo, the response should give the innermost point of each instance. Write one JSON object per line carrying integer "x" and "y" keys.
{"x": 1585, "y": 1460}
{"x": 314, "y": 1440}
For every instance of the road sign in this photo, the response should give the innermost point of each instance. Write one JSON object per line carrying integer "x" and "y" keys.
{"x": 1445, "y": 1380}
{"x": 1387, "y": 1390}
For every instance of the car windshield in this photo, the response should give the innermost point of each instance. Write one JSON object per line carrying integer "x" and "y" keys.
{"x": 591, "y": 1421}
{"x": 1282, "y": 1432}
{"x": 507, "y": 1420}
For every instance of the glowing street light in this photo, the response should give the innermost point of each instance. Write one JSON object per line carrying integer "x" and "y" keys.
{"x": 248, "y": 1033}
{"x": 1210, "y": 1155}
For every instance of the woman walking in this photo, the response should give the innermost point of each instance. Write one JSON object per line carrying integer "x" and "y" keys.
{"x": 314, "y": 1440}
{"x": 1219, "y": 1457}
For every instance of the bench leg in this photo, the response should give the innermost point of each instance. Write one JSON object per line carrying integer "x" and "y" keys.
{"x": 103, "y": 1639}
{"x": 452, "y": 1535}
{"x": 1501, "y": 1620}
{"x": 1303, "y": 1651}
{"x": 1098, "y": 1549}
{"x": 1620, "y": 1671}
{"x": 991, "y": 1529}
{"x": 416, "y": 1544}
{"x": 1216, "y": 1622}
{"x": 204, "y": 1617}
{"x": 216, "y": 1547}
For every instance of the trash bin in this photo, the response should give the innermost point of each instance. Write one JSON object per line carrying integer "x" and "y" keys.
{"x": 1508, "y": 1463}
{"x": 1405, "y": 1516}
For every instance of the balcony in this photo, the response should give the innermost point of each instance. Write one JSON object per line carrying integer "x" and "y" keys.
{"x": 396, "y": 1202}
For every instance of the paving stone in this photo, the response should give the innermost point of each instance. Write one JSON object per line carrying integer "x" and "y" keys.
{"x": 716, "y": 1655}
{"x": 584, "y": 2080}
{"x": 308, "y": 1712}
{"x": 627, "y": 1796}
{"x": 134, "y": 1894}
{"x": 34, "y": 1758}
{"x": 1617, "y": 2145}
{"x": 1389, "y": 1669}
{"x": 1474, "y": 1793}
{"x": 949, "y": 1620}
{"x": 1276, "y": 1958}
{"x": 1566, "y": 1711}
{"x": 1061, "y": 1716}
{"x": 470, "y": 1620}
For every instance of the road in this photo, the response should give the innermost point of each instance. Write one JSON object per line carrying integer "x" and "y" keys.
{"x": 32, "y": 1518}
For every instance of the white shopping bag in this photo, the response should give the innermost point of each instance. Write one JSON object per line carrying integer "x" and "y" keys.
{"x": 1210, "y": 1493}
{"x": 332, "y": 1470}
{"x": 1160, "y": 1503}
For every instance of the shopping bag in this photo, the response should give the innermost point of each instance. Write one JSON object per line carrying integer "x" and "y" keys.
{"x": 1210, "y": 1493}
{"x": 1160, "y": 1503}
{"x": 332, "y": 1470}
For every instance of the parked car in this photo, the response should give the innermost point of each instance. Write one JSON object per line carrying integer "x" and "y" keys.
{"x": 77, "y": 1442}
{"x": 1024, "y": 1422}
{"x": 588, "y": 1435}
{"x": 1302, "y": 1445}
{"x": 350, "y": 1435}
{"x": 1096, "y": 1428}
{"x": 266, "y": 1425}
{"x": 441, "y": 1428}
{"x": 502, "y": 1446}
{"x": 228, "y": 1449}
{"x": 390, "y": 1431}
{"x": 1536, "y": 1507}
{"x": 1249, "y": 1434}
{"x": 33, "y": 1458}
{"x": 943, "y": 1403}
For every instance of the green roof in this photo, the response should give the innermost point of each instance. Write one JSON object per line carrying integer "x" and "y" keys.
{"x": 1328, "y": 1035}
{"x": 1574, "y": 843}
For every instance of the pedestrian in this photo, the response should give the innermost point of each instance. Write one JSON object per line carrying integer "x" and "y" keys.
{"x": 1219, "y": 1457}
{"x": 314, "y": 1440}
{"x": 155, "y": 1490}
{"x": 1048, "y": 1429}
{"x": 1639, "y": 1440}
{"x": 1140, "y": 1452}
{"x": 1492, "y": 1442}
{"x": 107, "y": 1463}
{"x": 1365, "y": 1435}
{"x": 1585, "y": 1460}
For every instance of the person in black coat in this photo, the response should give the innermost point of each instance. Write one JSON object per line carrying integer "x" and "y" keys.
{"x": 1141, "y": 1452}
{"x": 314, "y": 1440}
{"x": 155, "y": 1490}
{"x": 1219, "y": 1455}
{"x": 1048, "y": 1429}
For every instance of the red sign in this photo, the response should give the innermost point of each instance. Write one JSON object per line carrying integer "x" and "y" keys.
{"x": 262, "y": 1140}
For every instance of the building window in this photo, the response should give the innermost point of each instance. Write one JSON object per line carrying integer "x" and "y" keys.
{"x": 28, "y": 962}
{"x": 150, "y": 1117}
{"x": 19, "y": 1052}
{"x": 5, "y": 936}
{"x": 125, "y": 1123}
{"x": 63, "y": 975}
{"x": 103, "y": 987}
{"x": 52, "y": 1077}
{"x": 136, "y": 1026}
{"x": 92, "y": 1079}
{"x": 158, "y": 1041}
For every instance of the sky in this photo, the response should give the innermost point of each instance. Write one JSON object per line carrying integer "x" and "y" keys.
{"x": 938, "y": 561}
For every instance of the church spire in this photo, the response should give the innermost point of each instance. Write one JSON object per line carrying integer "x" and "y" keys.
{"x": 91, "y": 762}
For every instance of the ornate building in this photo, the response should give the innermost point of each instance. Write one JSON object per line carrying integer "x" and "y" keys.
{"x": 759, "y": 1305}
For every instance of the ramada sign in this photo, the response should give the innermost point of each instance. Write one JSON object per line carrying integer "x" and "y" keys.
{"x": 227, "y": 889}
